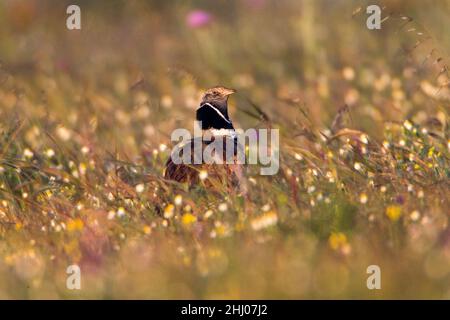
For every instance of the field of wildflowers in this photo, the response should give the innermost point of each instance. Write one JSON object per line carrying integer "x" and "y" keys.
{"x": 85, "y": 123}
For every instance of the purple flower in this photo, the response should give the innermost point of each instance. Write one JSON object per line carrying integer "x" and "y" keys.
{"x": 400, "y": 199}
{"x": 198, "y": 18}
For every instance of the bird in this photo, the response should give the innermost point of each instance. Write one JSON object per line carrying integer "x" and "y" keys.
{"x": 215, "y": 123}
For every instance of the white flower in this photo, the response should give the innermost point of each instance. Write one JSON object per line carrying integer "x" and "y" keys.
{"x": 178, "y": 200}
{"x": 203, "y": 175}
{"x": 50, "y": 153}
{"x": 408, "y": 125}
{"x": 223, "y": 207}
{"x": 120, "y": 212}
{"x": 357, "y": 166}
{"x": 415, "y": 215}
{"x": 364, "y": 139}
{"x": 111, "y": 214}
{"x": 28, "y": 153}
{"x": 208, "y": 214}
{"x": 63, "y": 133}
{"x": 162, "y": 147}
{"x": 140, "y": 188}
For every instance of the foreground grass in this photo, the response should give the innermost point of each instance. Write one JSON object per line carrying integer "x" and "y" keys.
{"x": 85, "y": 136}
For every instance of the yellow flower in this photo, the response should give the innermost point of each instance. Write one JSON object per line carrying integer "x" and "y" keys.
{"x": 75, "y": 225}
{"x": 394, "y": 212}
{"x": 147, "y": 229}
{"x": 168, "y": 211}
{"x": 337, "y": 240}
{"x": 363, "y": 198}
{"x": 188, "y": 219}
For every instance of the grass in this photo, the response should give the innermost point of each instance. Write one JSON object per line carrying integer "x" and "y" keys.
{"x": 85, "y": 127}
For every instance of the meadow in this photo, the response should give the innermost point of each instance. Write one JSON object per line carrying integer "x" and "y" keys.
{"x": 85, "y": 123}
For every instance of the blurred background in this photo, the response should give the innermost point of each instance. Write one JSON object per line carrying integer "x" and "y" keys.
{"x": 135, "y": 71}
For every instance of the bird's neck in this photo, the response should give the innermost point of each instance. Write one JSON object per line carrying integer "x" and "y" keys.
{"x": 221, "y": 132}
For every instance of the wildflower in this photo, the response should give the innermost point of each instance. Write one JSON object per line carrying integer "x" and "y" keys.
{"x": 402, "y": 142}
{"x": 63, "y": 133}
{"x": 198, "y": 18}
{"x": 162, "y": 147}
{"x": 363, "y": 198}
{"x": 223, "y": 207}
{"x": 337, "y": 240}
{"x": 357, "y": 166}
{"x": 85, "y": 150}
{"x": 178, "y": 200}
{"x": 203, "y": 174}
{"x": 415, "y": 215}
{"x": 50, "y": 153}
{"x": 364, "y": 139}
{"x": 420, "y": 194}
{"x": 298, "y": 156}
{"x": 140, "y": 188}
{"x": 82, "y": 168}
{"x": 27, "y": 153}
{"x": 383, "y": 189}
{"x": 111, "y": 214}
{"x": 408, "y": 125}
{"x": 75, "y": 225}
{"x": 265, "y": 220}
{"x": 18, "y": 226}
{"x": 386, "y": 144}
{"x": 169, "y": 211}
{"x": 348, "y": 73}
{"x": 265, "y": 207}
{"x": 147, "y": 229}
{"x": 188, "y": 219}
{"x": 120, "y": 212}
{"x": 166, "y": 101}
{"x": 393, "y": 212}
{"x": 330, "y": 177}
{"x": 208, "y": 214}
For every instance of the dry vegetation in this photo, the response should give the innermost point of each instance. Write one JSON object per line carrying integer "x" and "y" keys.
{"x": 85, "y": 123}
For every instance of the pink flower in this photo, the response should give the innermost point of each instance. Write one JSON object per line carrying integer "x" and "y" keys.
{"x": 198, "y": 18}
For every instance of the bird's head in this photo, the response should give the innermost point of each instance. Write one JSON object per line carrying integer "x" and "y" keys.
{"x": 217, "y": 94}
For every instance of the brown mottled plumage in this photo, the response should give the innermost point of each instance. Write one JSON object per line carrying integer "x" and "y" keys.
{"x": 213, "y": 114}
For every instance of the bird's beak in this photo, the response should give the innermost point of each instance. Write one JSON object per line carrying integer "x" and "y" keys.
{"x": 229, "y": 91}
